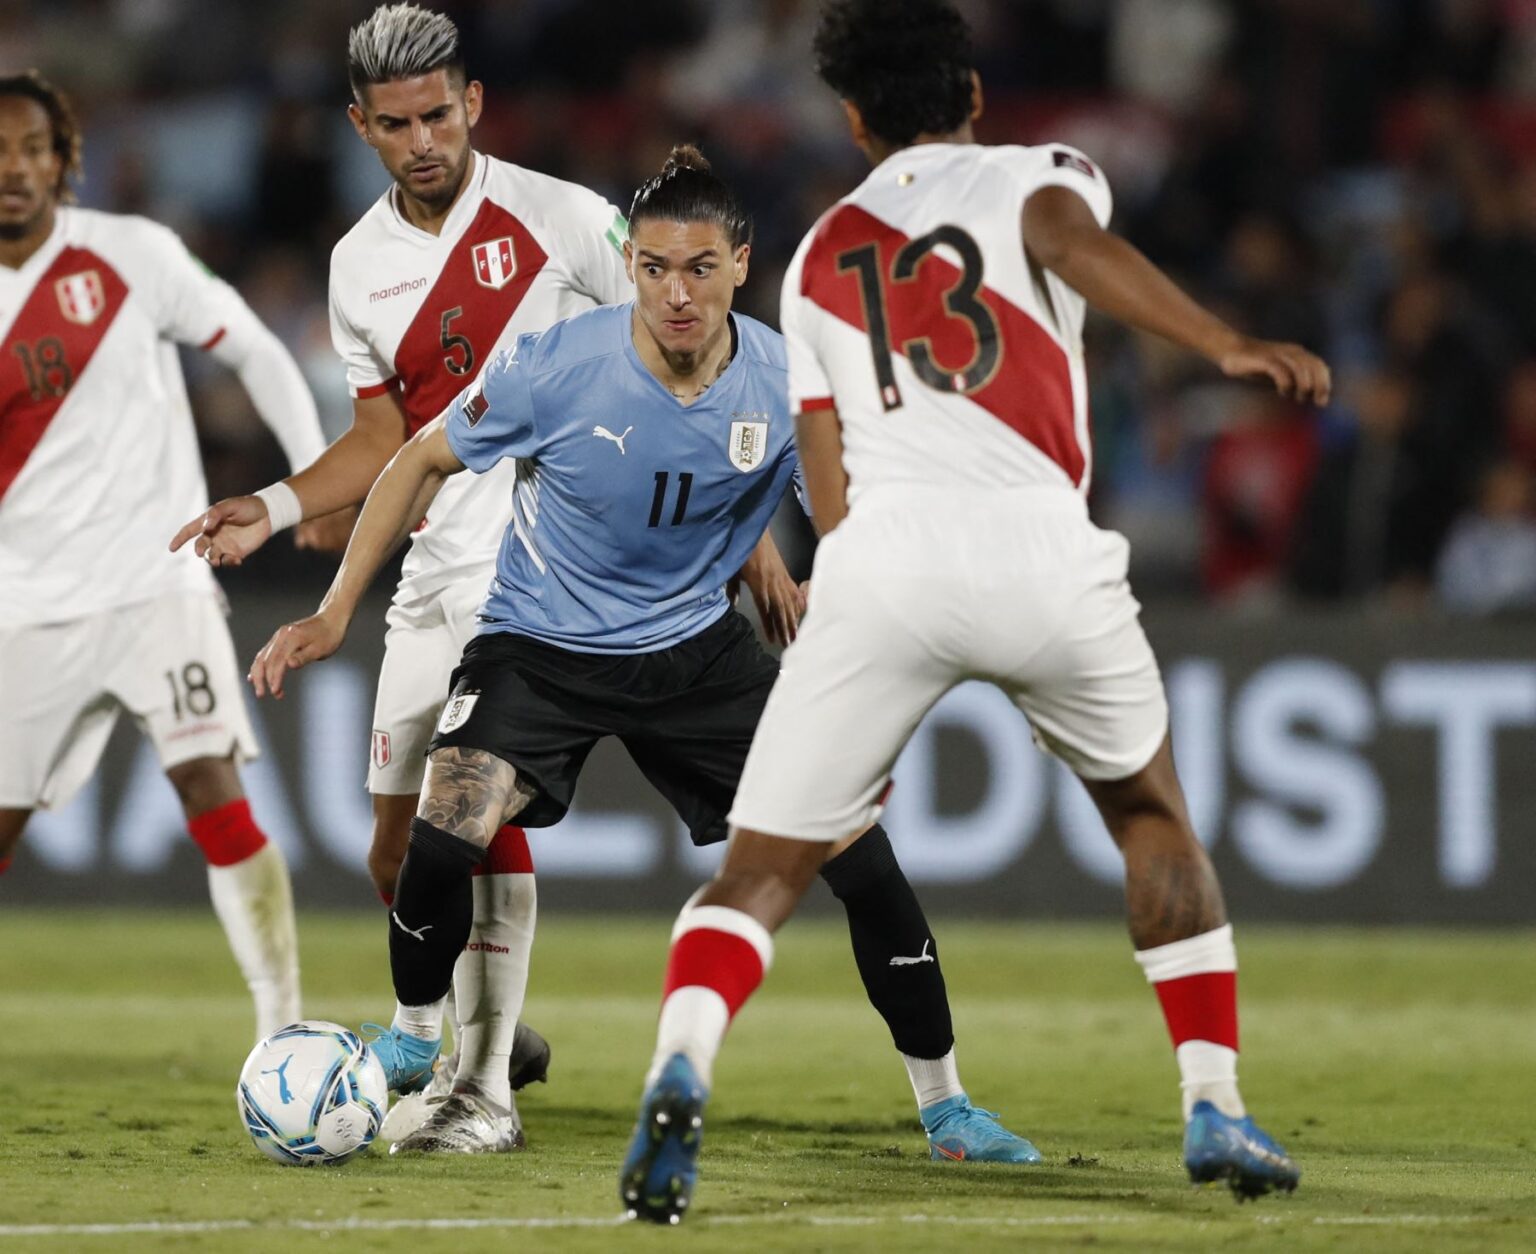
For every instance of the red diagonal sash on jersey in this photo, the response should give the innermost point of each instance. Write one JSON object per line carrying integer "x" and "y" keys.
{"x": 486, "y": 276}
{"x": 48, "y": 347}
{"x": 1031, "y": 389}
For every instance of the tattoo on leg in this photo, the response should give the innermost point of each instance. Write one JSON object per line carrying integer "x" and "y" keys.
{"x": 1172, "y": 895}
{"x": 470, "y": 793}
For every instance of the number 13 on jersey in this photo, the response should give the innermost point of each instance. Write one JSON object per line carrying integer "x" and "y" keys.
{"x": 926, "y": 306}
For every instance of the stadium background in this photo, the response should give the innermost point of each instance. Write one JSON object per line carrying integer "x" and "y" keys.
{"x": 1339, "y": 599}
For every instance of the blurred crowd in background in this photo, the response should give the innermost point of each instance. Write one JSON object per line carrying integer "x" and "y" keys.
{"x": 1356, "y": 175}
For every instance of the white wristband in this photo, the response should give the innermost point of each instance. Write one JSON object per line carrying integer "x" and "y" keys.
{"x": 283, "y": 508}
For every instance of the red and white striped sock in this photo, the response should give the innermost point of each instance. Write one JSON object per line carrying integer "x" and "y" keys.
{"x": 491, "y": 976}
{"x": 1196, "y": 982}
{"x": 719, "y": 957}
{"x": 248, "y": 882}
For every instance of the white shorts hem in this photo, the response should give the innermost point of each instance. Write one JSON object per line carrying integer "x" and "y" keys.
{"x": 812, "y": 831}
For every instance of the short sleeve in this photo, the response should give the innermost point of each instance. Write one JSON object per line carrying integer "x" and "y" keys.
{"x": 367, "y": 375}
{"x": 594, "y": 235}
{"x": 493, "y": 418}
{"x": 1057, "y": 165}
{"x": 809, "y": 388}
{"x": 192, "y": 304}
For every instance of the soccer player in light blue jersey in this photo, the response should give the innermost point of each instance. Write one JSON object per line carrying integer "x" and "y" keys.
{"x": 653, "y": 443}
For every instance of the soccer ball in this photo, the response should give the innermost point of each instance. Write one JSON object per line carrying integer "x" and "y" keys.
{"x": 312, "y": 1093}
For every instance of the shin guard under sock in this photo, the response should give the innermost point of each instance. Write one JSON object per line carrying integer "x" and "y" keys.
{"x": 897, "y": 958}
{"x": 434, "y": 906}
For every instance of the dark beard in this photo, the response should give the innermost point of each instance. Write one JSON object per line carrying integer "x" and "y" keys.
{"x": 12, "y": 231}
{"x": 439, "y": 200}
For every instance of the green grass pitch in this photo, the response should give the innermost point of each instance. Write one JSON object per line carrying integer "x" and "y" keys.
{"x": 1398, "y": 1066}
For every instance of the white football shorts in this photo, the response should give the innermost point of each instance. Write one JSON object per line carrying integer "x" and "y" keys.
{"x": 424, "y": 643}
{"x": 169, "y": 662}
{"x": 919, "y": 590}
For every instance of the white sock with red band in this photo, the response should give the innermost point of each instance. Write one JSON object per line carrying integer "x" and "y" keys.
{"x": 719, "y": 957}
{"x": 248, "y": 884}
{"x": 1196, "y": 982}
{"x": 491, "y": 976}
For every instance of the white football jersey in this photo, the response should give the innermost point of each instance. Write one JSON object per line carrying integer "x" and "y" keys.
{"x": 99, "y": 463}
{"x": 912, "y": 307}
{"x": 421, "y": 314}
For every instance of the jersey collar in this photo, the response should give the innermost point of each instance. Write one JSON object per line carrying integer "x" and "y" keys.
{"x": 712, "y": 394}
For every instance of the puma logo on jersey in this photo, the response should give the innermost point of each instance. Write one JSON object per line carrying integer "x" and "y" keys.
{"x": 418, "y": 932}
{"x": 604, "y": 433}
{"x": 925, "y": 956}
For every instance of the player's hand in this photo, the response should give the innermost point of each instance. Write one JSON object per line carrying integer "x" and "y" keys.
{"x": 229, "y": 531}
{"x": 292, "y": 646}
{"x": 1297, "y": 374}
{"x": 780, "y": 601}
{"x": 329, "y": 533}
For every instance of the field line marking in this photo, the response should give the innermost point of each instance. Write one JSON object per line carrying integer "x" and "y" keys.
{"x": 359, "y": 1224}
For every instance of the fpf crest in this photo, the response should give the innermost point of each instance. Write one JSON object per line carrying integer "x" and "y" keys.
{"x": 495, "y": 263}
{"x": 81, "y": 297}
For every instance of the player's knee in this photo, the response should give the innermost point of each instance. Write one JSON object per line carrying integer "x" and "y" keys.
{"x": 384, "y": 869}
{"x": 391, "y": 835}
{"x": 205, "y": 784}
{"x": 764, "y": 876}
{"x": 1146, "y": 805}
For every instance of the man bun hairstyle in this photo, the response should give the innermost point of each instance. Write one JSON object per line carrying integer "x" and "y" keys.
{"x": 687, "y": 190}
{"x": 61, "y": 120}
{"x": 906, "y": 64}
{"x": 398, "y": 41}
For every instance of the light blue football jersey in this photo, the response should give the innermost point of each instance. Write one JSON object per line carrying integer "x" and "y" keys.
{"x": 631, "y": 510}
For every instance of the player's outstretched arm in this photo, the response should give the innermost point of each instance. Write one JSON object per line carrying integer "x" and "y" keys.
{"x": 398, "y": 501}
{"x": 229, "y": 531}
{"x": 1061, "y": 233}
{"x": 779, "y": 599}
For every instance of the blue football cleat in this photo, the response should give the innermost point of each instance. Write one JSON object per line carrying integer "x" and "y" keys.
{"x": 407, "y": 1060}
{"x": 656, "y": 1181}
{"x": 959, "y": 1132}
{"x": 1218, "y": 1147}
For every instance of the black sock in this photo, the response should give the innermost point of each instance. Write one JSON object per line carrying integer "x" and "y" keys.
{"x": 434, "y": 908}
{"x": 886, "y": 922}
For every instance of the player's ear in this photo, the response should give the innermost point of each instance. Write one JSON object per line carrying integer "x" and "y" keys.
{"x": 977, "y": 102}
{"x": 359, "y": 121}
{"x": 743, "y": 254}
{"x": 629, "y": 261}
{"x": 856, "y": 123}
{"x": 474, "y": 101}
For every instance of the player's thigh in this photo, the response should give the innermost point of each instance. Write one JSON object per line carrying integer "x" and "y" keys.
{"x": 177, "y": 674}
{"x": 515, "y": 702}
{"x": 55, "y": 712}
{"x": 1093, "y": 692}
{"x": 691, "y": 745}
{"x": 867, "y": 666}
{"x": 419, "y": 660}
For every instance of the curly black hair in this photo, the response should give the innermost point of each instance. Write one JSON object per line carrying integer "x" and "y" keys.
{"x": 906, "y": 64}
{"x": 61, "y": 118}
{"x": 687, "y": 190}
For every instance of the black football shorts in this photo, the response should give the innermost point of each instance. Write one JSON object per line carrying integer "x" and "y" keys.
{"x": 685, "y": 714}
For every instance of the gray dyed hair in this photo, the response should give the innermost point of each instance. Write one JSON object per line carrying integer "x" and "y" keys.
{"x": 400, "y": 41}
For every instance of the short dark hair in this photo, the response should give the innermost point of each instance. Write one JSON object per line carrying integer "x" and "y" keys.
{"x": 687, "y": 190}
{"x": 399, "y": 41}
{"x": 906, "y": 64}
{"x": 61, "y": 120}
